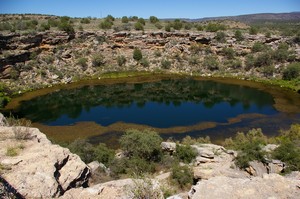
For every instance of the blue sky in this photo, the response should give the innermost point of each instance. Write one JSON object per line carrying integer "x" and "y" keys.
{"x": 145, "y": 8}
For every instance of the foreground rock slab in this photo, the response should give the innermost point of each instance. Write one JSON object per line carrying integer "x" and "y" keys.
{"x": 269, "y": 186}
{"x": 40, "y": 169}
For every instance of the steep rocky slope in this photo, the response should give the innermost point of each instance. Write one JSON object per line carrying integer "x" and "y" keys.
{"x": 51, "y": 57}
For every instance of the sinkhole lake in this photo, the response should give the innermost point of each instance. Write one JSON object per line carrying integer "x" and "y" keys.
{"x": 173, "y": 107}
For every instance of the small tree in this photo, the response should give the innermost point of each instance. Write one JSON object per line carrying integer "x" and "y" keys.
{"x": 292, "y": 71}
{"x": 137, "y": 54}
{"x": 168, "y": 28}
{"x": 142, "y": 21}
{"x": 153, "y": 19}
{"x": 143, "y": 144}
{"x": 177, "y": 24}
{"x": 98, "y": 60}
{"x": 103, "y": 154}
{"x": 106, "y": 24}
{"x": 67, "y": 27}
{"x": 125, "y": 19}
{"x": 138, "y": 26}
{"x": 185, "y": 153}
{"x": 121, "y": 60}
{"x": 253, "y": 30}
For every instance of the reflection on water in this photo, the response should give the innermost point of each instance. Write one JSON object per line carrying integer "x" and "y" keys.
{"x": 160, "y": 104}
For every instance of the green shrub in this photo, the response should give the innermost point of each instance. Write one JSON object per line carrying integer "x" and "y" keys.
{"x": 98, "y": 60}
{"x": 228, "y": 52}
{"x": 5, "y": 26}
{"x": 85, "y": 21}
{"x": 233, "y": 63}
{"x": 82, "y": 62}
{"x": 45, "y": 26}
{"x": 106, "y": 24}
{"x": 166, "y": 64}
{"x": 214, "y": 27}
{"x": 292, "y": 71}
{"x": 211, "y": 63}
{"x": 142, "y": 21}
{"x": 121, "y": 60}
{"x": 185, "y": 153}
{"x": 143, "y": 144}
{"x": 177, "y": 24}
{"x": 249, "y": 147}
{"x": 195, "y": 48}
{"x": 258, "y": 47}
{"x": 103, "y": 154}
{"x": 144, "y": 62}
{"x": 158, "y": 25}
{"x": 110, "y": 18}
{"x": 199, "y": 27}
{"x": 139, "y": 166}
{"x": 253, "y": 30}
{"x": 118, "y": 167}
{"x": 125, "y": 19}
{"x": 168, "y": 28}
{"x": 249, "y": 62}
{"x": 297, "y": 38}
{"x": 138, "y": 26}
{"x": 67, "y": 27}
{"x": 250, "y": 151}
{"x": 82, "y": 148}
{"x": 268, "y": 70}
{"x": 157, "y": 53}
{"x": 153, "y": 19}
{"x": 137, "y": 54}
{"x": 53, "y": 22}
{"x": 188, "y": 26}
{"x": 263, "y": 59}
{"x": 221, "y": 37}
{"x": 182, "y": 175}
{"x": 238, "y": 35}
{"x": 11, "y": 151}
{"x": 288, "y": 153}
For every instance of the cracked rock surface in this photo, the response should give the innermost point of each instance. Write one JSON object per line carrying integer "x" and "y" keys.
{"x": 55, "y": 169}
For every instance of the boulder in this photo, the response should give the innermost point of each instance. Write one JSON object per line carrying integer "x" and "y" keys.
{"x": 168, "y": 146}
{"x": 41, "y": 169}
{"x": 257, "y": 168}
{"x": 275, "y": 166}
{"x": 268, "y": 186}
{"x": 206, "y": 150}
{"x": 121, "y": 189}
{"x": 3, "y": 121}
{"x": 269, "y": 148}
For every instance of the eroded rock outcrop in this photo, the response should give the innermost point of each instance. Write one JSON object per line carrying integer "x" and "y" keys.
{"x": 40, "y": 169}
{"x": 268, "y": 186}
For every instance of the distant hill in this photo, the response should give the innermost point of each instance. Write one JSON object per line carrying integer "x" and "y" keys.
{"x": 254, "y": 18}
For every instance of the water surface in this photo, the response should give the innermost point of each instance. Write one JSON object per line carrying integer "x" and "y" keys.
{"x": 164, "y": 104}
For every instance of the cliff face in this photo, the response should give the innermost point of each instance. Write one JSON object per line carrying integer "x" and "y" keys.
{"x": 56, "y": 57}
